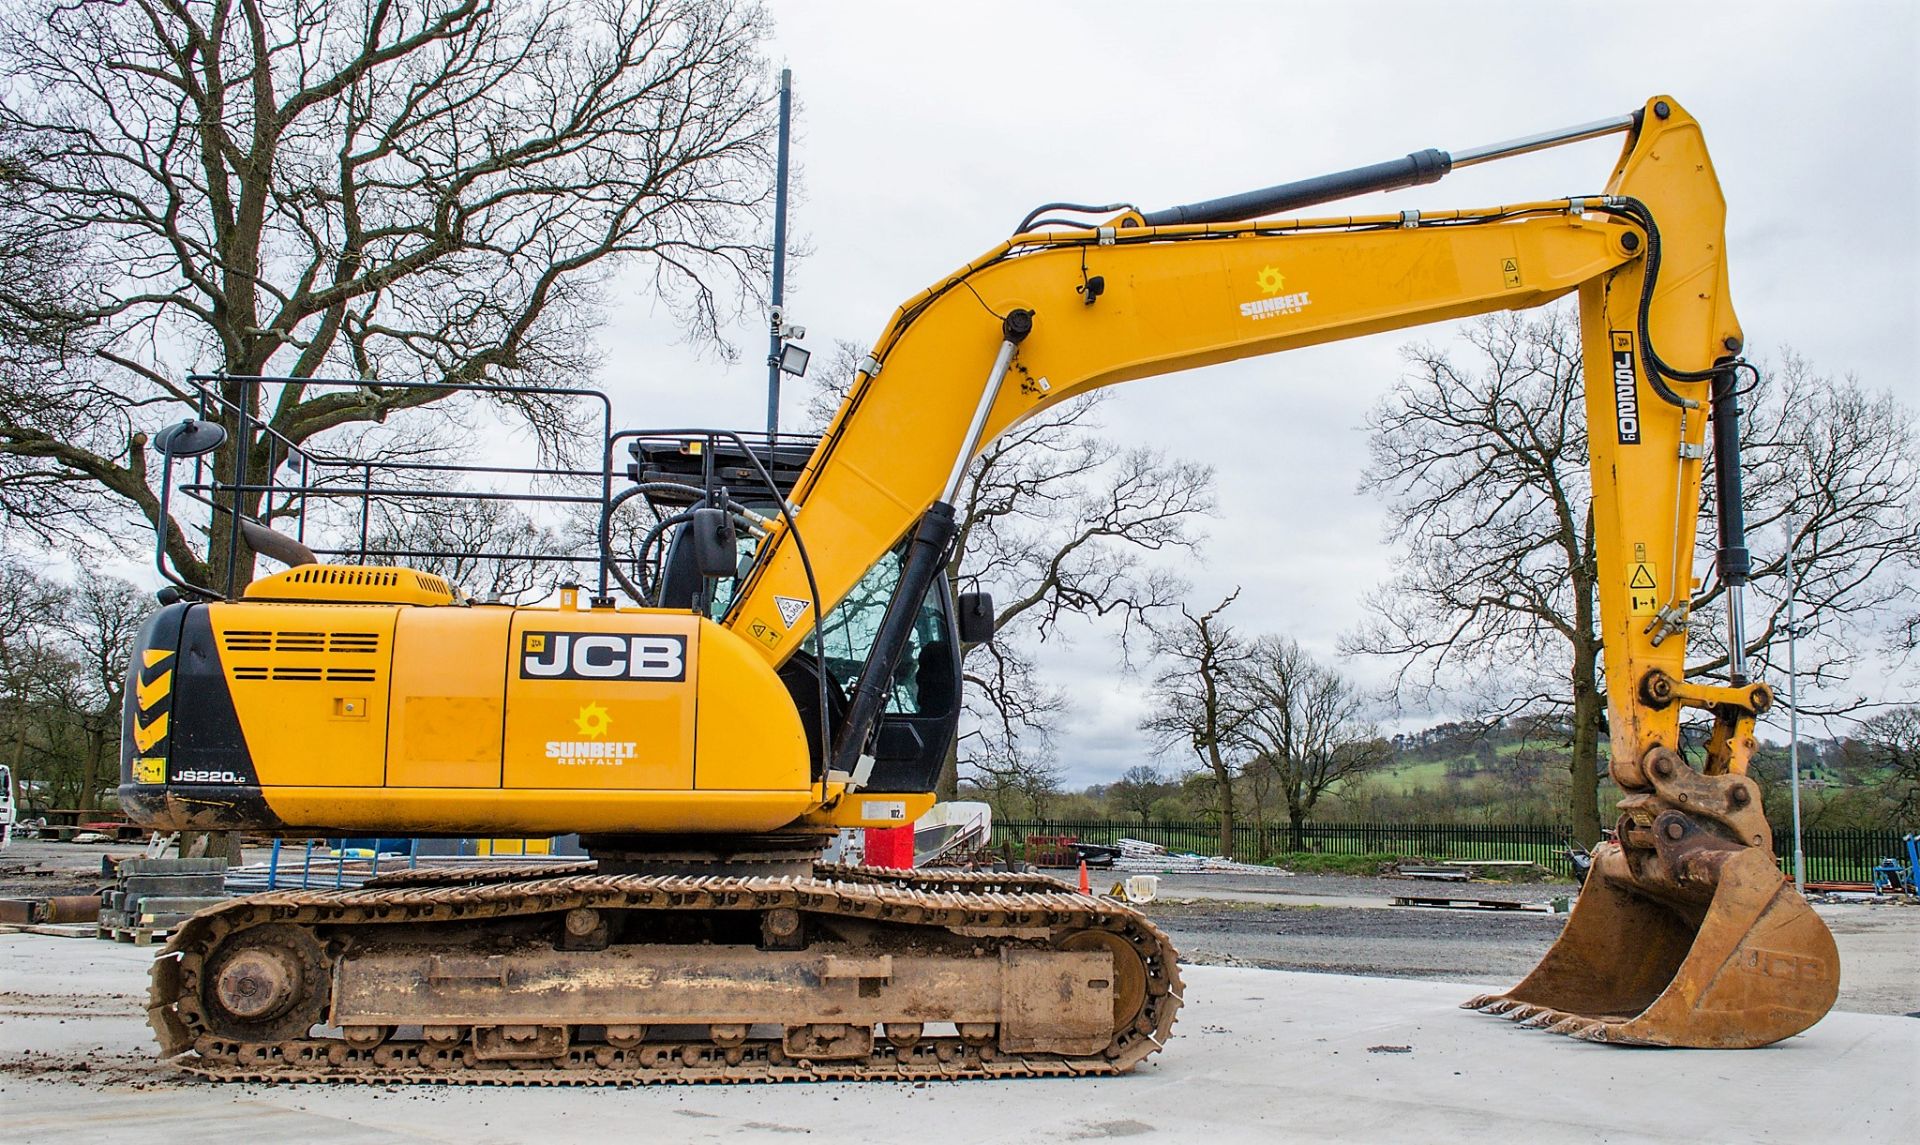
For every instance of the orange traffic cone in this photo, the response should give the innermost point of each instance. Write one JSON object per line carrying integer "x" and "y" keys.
{"x": 1086, "y": 886}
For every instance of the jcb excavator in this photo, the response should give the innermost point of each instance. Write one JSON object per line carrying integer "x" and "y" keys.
{"x": 787, "y": 664}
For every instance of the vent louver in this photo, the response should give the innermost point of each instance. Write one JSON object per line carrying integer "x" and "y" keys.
{"x": 336, "y": 643}
{"x": 354, "y": 584}
{"x": 321, "y": 654}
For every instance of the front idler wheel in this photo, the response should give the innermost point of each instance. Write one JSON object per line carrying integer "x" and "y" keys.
{"x": 1129, "y": 972}
{"x": 266, "y": 984}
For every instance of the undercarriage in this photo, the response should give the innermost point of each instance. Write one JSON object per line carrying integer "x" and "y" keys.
{"x": 571, "y": 974}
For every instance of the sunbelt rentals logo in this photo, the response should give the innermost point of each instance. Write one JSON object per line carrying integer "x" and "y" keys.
{"x": 1271, "y": 283}
{"x": 593, "y": 722}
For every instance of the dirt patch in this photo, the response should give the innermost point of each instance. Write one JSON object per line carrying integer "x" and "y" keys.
{"x": 19, "y": 1004}
{"x": 99, "y": 1067}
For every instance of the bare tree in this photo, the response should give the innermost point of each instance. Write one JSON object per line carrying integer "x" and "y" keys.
{"x": 63, "y": 667}
{"x": 1195, "y": 706}
{"x": 1884, "y": 758}
{"x": 1484, "y": 470}
{"x": 1024, "y": 787}
{"x": 1305, "y": 724}
{"x": 99, "y": 619}
{"x": 1138, "y": 789}
{"x": 1831, "y": 470}
{"x": 1058, "y": 522}
{"x": 489, "y": 548}
{"x": 28, "y": 652}
{"x": 407, "y": 190}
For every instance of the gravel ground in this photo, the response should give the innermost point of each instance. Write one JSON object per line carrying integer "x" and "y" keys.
{"x": 31, "y": 868}
{"x": 1278, "y": 923}
{"x": 1346, "y": 886}
{"x": 1394, "y": 943}
{"x": 1324, "y": 923}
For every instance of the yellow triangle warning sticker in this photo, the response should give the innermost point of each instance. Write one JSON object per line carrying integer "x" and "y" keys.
{"x": 1642, "y": 576}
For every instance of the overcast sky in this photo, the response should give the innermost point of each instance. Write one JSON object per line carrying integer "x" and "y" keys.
{"x": 926, "y": 131}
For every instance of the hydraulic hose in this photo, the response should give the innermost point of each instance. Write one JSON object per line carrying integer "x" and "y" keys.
{"x": 1655, "y": 367}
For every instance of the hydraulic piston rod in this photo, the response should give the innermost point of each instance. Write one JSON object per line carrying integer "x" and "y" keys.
{"x": 1420, "y": 167}
{"x": 1735, "y": 563}
{"x": 1530, "y": 143}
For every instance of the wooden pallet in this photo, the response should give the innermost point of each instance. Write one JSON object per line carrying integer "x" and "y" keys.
{"x": 138, "y": 935}
{"x": 52, "y": 929}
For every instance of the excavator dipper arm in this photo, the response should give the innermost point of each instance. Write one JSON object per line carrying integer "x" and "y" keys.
{"x": 1687, "y": 934}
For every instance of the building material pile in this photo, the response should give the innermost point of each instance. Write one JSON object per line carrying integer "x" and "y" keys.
{"x": 1152, "y": 858}
{"x": 332, "y": 869}
{"x": 152, "y": 896}
{"x": 63, "y": 916}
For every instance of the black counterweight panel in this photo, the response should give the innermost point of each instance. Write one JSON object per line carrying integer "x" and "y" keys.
{"x": 208, "y": 745}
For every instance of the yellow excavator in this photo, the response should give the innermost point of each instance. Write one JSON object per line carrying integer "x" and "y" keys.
{"x": 786, "y": 663}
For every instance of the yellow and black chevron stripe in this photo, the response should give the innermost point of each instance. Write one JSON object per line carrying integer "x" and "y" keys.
{"x": 152, "y": 709}
{"x": 147, "y": 718}
{"x": 179, "y": 730}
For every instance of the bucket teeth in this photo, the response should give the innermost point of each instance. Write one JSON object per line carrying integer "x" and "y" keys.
{"x": 1536, "y": 1017}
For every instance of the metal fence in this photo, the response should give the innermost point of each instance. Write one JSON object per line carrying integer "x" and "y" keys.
{"x": 1840, "y": 854}
{"x": 1836, "y": 855}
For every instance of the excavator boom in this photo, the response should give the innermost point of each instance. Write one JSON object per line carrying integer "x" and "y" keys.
{"x": 1688, "y": 904}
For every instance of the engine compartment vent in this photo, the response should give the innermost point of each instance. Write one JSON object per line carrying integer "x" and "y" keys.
{"x": 310, "y": 643}
{"x": 354, "y": 584}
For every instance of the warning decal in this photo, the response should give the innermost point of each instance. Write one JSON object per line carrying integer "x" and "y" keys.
{"x": 790, "y": 608}
{"x": 1643, "y": 590}
{"x": 1510, "y": 271}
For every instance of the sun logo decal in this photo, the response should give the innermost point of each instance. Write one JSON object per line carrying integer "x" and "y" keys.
{"x": 593, "y": 721}
{"x": 1270, "y": 280}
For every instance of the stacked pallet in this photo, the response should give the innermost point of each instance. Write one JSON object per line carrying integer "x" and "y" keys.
{"x": 1143, "y": 857}
{"x": 149, "y": 897}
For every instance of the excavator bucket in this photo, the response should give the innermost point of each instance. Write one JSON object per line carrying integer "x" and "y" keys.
{"x": 1698, "y": 943}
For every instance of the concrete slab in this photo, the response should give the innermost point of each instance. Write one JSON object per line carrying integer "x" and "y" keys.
{"x": 1259, "y": 1056}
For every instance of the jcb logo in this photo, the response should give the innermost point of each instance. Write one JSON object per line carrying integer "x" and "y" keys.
{"x": 602, "y": 656}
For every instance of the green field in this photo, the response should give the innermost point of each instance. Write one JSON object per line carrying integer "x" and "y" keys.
{"x": 1419, "y": 775}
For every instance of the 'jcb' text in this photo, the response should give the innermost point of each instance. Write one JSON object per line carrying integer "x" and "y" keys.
{"x": 602, "y": 656}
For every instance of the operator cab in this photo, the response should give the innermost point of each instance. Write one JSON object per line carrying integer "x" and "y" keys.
{"x": 923, "y": 706}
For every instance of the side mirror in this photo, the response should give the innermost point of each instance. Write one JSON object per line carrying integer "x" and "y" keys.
{"x": 190, "y": 438}
{"x": 974, "y": 614}
{"x": 715, "y": 549}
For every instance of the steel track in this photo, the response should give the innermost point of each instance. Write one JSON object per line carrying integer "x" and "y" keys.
{"x": 949, "y": 901}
